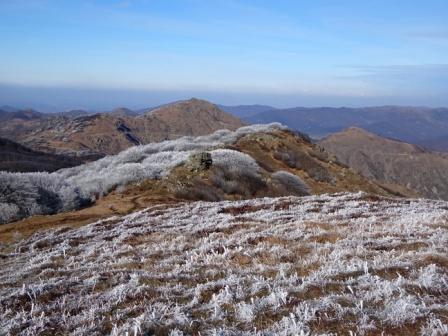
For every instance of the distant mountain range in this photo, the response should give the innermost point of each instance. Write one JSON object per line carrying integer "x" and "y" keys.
{"x": 7, "y": 108}
{"x": 246, "y": 111}
{"x": 391, "y": 161}
{"x": 420, "y": 125}
{"x": 80, "y": 133}
{"x": 424, "y": 126}
{"x": 21, "y": 114}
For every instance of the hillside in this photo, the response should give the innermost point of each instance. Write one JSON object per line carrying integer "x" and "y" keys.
{"x": 123, "y": 111}
{"x": 255, "y": 161}
{"x": 439, "y": 144}
{"x": 245, "y": 111}
{"x": 7, "y": 108}
{"x": 11, "y": 114}
{"x": 391, "y": 161}
{"x": 191, "y": 117}
{"x": 18, "y": 158}
{"x": 103, "y": 134}
{"x": 332, "y": 264}
{"x": 419, "y": 125}
{"x": 207, "y": 234}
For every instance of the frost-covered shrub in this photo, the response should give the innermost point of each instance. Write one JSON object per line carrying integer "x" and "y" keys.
{"x": 292, "y": 184}
{"x": 232, "y": 160}
{"x": 435, "y": 327}
{"x": 21, "y": 191}
{"x": 9, "y": 212}
{"x": 27, "y": 194}
{"x": 236, "y": 173}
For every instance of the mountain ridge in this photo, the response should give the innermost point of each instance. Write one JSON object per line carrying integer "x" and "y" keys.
{"x": 392, "y": 161}
{"x": 419, "y": 125}
{"x": 102, "y": 134}
{"x": 244, "y": 111}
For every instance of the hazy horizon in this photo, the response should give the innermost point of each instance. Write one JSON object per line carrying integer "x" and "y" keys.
{"x": 50, "y": 99}
{"x": 97, "y": 54}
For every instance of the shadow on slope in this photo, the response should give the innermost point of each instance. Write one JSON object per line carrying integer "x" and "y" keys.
{"x": 18, "y": 158}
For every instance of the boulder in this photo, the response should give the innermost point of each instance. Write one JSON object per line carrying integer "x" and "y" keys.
{"x": 201, "y": 161}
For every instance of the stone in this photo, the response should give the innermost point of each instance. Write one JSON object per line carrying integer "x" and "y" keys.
{"x": 201, "y": 161}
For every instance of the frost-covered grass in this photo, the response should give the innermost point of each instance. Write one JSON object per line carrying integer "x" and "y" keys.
{"x": 27, "y": 194}
{"x": 345, "y": 264}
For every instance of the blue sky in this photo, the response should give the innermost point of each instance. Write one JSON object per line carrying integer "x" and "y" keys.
{"x": 98, "y": 53}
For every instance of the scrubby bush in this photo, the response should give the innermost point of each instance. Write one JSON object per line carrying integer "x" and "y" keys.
{"x": 236, "y": 173}
{"x": 290, "y": 184}
{"x": 9, "y": 212}
{"x": 320, "y": 174}
{"x": 320, "y": 154}
{"x": 303, "y": 161}
{"x": 295, "y": 158}
{"x": 233, "y": 183}
{"x": 27, "y": 194}
{"x": 196, "y": 190}
{"x": 232, "y": 160}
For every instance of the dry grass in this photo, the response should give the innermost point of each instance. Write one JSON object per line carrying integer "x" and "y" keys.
{"x": 315, "y": 265}
{"x": 282, "y": 150}
{"x": 184, "y": 184}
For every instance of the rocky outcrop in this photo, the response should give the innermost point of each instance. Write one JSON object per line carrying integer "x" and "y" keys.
{"x": 200, "y": 161}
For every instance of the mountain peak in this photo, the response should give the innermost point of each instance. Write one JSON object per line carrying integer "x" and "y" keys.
{"x": 357, "y": 132}
{"x": 390, "y": 161}
{"x": 199, "y": 115}
{"x": 359, "y": 135}
{"x": 194, "y": 102}
{"x": 123, "y": 111}
{"x": 355, "y": 129}
{"x": 111, "y": 132}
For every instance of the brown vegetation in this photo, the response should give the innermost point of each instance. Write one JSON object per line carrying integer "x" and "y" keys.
{"x": 391, "y": 161}
{"x": 110, "y": 133}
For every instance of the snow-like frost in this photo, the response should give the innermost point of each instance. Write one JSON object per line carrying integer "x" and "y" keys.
{"x": 27, "y": 194}
{"x": 233, "y": 160}
{"x": 291, "y": 182}
{"x": 289, "y": 266}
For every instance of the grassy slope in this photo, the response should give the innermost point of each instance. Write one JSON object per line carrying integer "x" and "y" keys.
{"x": 319, "y": 264}
{"x": 182, "y": 183}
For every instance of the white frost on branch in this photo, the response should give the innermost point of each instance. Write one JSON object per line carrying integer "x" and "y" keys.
{"x": 27, "y": 194}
